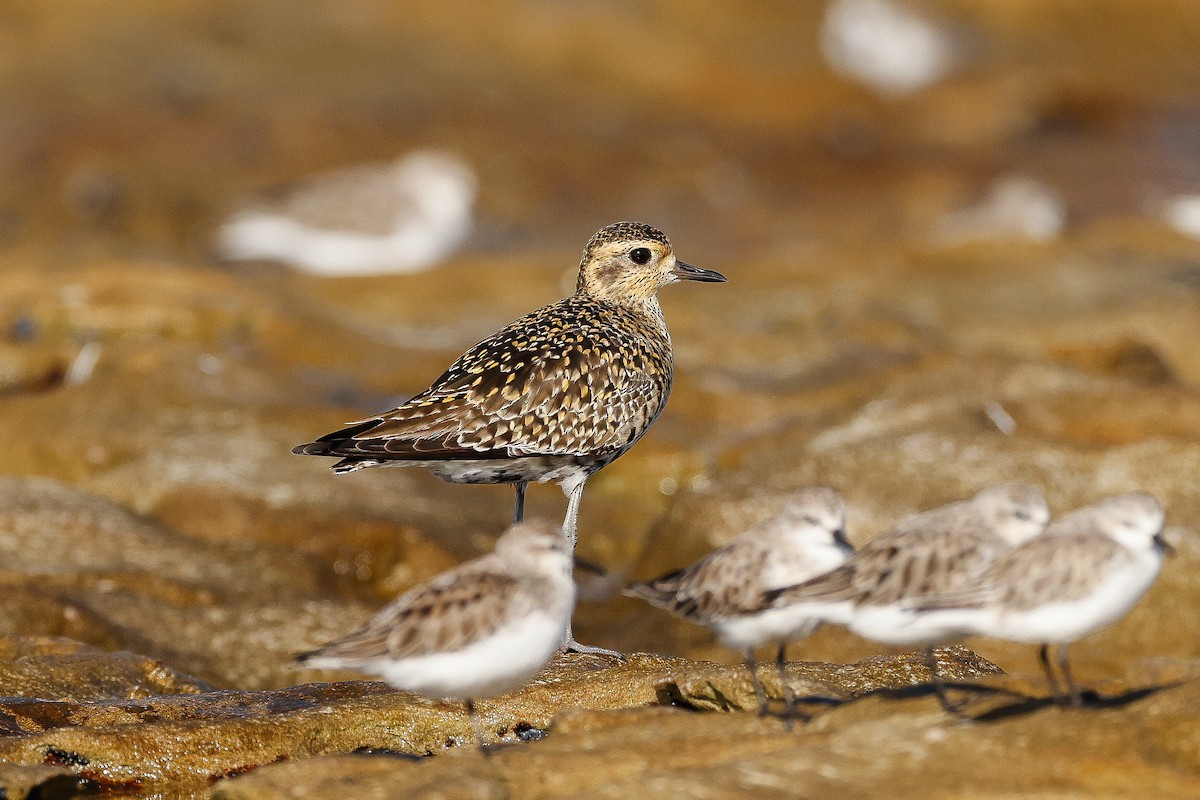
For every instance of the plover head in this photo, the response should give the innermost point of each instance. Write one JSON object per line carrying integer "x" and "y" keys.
{"x": 631, "y": 261}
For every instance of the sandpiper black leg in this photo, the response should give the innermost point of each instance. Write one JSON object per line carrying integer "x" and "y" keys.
{"x": 752, "y": 665}
{"x": 475, "y": 726}
{"x": 1051, "y": 678}
{"x": 790, "y": 713}
{"x": 519, "y": 513}
{"x": 1074, "y": 693}
{"x": 939, "y": 686}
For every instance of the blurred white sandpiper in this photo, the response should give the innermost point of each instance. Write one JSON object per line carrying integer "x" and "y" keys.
{"x": 1083, "y": 574}
{"x": 723, "y": 590}
{"x": 885, "y": 45}
{"x": 366, "y": 220}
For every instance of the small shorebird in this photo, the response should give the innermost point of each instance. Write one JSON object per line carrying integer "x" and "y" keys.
{"x": 372, "y": 219}
{"x": 555, "y": 396}
{"x": 875, "y": 593}
{"x": 722, "y": 591}
{"x": 481, "y": 629}
{"x": 1084, "y": 573}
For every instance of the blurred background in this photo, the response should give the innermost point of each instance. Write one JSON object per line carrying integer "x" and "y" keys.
{"x": 134, "y": 128}
{"x": 961, "y": 239}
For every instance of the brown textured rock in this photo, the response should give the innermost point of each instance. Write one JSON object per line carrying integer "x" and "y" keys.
{"x": 852, "y": 750}
{"x": 188, "y": 739}
{"x": 65, "y": 670}
{"x": 169, "y": 528}
{"x": 41, "y": 782}
{"x": 80, "y": 566}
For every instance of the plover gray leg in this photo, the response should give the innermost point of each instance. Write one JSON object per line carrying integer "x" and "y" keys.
{"x": 571, "y": 535}
{"x": 572, "y": 646}
{"x": 571, "y": 521}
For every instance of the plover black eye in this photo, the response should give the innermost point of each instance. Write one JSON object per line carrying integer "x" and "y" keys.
{"x": 639, "y": 255}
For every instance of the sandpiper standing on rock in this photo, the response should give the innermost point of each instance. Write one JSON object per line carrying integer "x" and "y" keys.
{"x": 481, "y": 629}
{"x": 877, "y": 591}
{"x": 724, "y": 589}
{"x": 1084, "y": 573}
{"x": 555, "y": 396}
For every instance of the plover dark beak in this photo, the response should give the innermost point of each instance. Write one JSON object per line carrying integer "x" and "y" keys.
{"x": 686, "y": 272}
{"x": 1162, "y": 544}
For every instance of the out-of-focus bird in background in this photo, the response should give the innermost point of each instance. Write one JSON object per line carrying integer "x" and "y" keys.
{"x": 376, "y": 219}
{"x": 886, "y": 46}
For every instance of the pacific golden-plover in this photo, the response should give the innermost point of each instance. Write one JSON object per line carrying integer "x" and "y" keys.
{"x": 555, "y": 396}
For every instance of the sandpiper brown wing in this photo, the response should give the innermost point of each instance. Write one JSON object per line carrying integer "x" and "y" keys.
{"x": 909, "y": 565}
{"x": 722, "y": 584}
{"x": 453, "y": 611}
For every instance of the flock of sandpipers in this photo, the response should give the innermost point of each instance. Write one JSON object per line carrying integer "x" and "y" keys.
{"x": 564, "y": 391}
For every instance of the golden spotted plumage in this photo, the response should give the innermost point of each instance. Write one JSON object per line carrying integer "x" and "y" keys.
{"x": 555, "y": 396}
{"x": 580, "y": 378}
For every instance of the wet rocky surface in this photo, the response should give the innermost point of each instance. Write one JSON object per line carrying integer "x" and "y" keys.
{"x": 184, "y": 737}
{"x": 850, "y": 751}
{"x": 163, "y": 556}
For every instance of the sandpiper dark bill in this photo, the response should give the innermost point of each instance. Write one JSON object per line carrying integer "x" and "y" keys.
{"x": 555, "y": 396}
